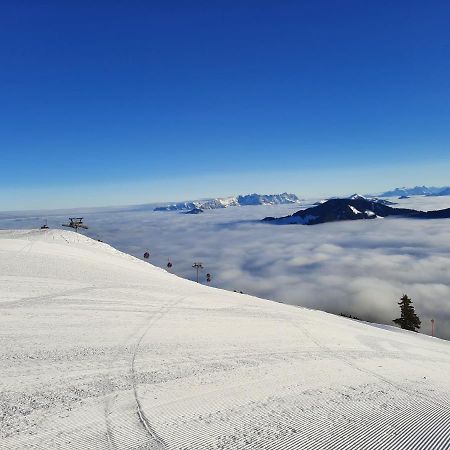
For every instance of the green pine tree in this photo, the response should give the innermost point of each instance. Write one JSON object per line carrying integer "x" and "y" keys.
{"x": 408, "y": 319}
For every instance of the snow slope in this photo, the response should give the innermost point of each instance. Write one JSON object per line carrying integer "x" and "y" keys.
{"x": 102, "y": 351}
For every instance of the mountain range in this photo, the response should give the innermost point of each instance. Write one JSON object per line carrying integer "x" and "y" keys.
{"x": 353, "y": 208}
{"x": 225, "y": 202}
{"x": 417, "y": 190}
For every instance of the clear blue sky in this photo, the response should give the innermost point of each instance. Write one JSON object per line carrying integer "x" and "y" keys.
{"x": 112, "y": 102}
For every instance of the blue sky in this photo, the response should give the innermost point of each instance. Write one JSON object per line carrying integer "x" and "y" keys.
{"x": 129, "y": 102}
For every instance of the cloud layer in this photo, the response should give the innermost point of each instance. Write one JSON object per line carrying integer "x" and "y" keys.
{"x": 360, "y": 268}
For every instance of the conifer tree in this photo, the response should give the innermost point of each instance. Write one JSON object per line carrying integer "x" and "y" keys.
{"x": 408, "y": 319}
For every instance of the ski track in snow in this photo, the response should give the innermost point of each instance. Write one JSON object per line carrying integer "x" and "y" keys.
{"x": 155, "y": 439}
{"x": 112, "y": 353}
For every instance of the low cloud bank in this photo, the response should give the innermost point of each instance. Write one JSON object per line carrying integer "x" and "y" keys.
{"x": 360, "y": 268}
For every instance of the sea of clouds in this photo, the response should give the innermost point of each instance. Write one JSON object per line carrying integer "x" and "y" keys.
{"x": 360, "y": 268}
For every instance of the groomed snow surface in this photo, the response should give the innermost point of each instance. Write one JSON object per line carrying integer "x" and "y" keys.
{"x": 102, "y": 351}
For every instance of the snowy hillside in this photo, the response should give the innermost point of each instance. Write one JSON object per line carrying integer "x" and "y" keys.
{"x": 240, "y": 200}
{"x": 102, "y": 351}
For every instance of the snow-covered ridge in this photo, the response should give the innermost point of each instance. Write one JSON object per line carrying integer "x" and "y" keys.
{"x": 102, "y": 350}
{"x": 371, "y": 199}
{"x": 225, "y": 202}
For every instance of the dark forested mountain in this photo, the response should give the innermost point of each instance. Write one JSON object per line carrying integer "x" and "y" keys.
{"x": 360, "y": 208}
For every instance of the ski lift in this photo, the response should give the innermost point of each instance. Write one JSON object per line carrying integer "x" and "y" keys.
{"x": 75, "y": 223}
{"x": 169, "y": 265}
{"x": 146, "y": 255}
{"x": 197, "y": 266}
{"x": 208, "y": 277}
{"x": 44, "y": 226}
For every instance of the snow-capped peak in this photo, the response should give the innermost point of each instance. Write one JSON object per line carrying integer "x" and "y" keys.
{"x": 357, "y": 197}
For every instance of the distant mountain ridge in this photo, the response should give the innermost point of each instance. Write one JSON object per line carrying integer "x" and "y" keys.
{"x": 352, "y": 208}
{"x": 445, "y": 191}
{"x": 194, "y": 211}
{"x": 225, "y": 202}
{"x": 417, "y": 190}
